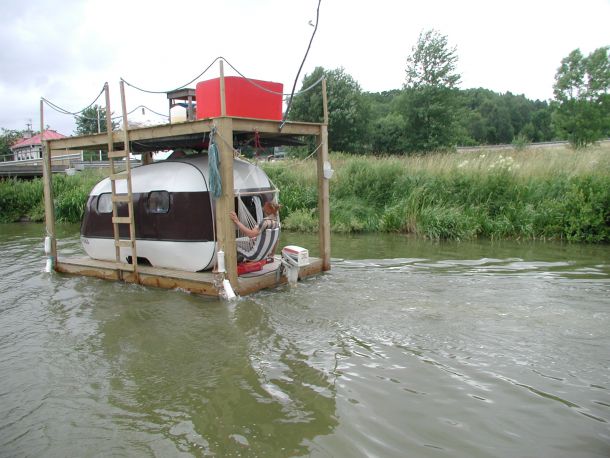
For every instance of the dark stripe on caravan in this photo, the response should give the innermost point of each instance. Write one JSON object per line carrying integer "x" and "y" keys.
{"x": 189, "y": 219}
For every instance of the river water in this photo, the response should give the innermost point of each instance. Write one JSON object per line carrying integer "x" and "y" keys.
{"x": 405, "y": 348}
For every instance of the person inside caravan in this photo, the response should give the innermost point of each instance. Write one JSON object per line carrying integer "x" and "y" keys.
{"x": 265, "y": 235}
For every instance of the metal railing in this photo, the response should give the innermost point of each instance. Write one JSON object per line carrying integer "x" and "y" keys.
{"x": 73, "y": 161}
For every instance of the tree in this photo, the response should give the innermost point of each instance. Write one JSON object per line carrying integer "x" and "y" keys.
{"x": 432, "y": 62}
{"x": 91, "y": 121}
{"x": 347, "y": 110}
{"x": 582, "y": 101}
{"x": 429, "y": 104}
{"x": 8, "y": 137}
{"x": 87, "y": 122}
{"x": 388, "y": 134}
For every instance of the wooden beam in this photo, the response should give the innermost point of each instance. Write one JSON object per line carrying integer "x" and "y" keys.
{"x": 92, "y": 141}
{"x": 223, "y": 91}
{"x": 201, "y": 126}
{"x": 323, "y": 199}
{"x": 324, "y": 101}
{"x": 49, "y": 210}
{"x": 269, "y": 126}
{"x": 141, "y": 133}
{"x": 225, "y": 229}
{"x": 196, "y": 282}
{"x": 110, "y": 143}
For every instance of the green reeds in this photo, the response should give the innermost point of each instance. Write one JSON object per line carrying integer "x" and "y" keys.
{"x": 519, "y": 194}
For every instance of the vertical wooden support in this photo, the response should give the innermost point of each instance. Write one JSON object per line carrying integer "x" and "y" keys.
{"x": 129, "y": 194}
{"x": 147, "y": 158}
{"x": 223, "y": 99}
{"x": 115, "y": 214}
{"x": 47, "y": 172}
{"x": 225, "y": 229}
{"x": 324, "y": 101}
{"x": 323, "y": 199}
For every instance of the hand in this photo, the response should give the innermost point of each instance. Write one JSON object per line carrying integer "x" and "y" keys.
{"x": 234, "y": 217}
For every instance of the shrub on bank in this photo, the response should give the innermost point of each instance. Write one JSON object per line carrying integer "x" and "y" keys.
{"x": 23, "y": 200}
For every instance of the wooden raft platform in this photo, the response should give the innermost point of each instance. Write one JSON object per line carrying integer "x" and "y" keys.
{"x": 232, "y": 132}
{"x": 195, "y": 282}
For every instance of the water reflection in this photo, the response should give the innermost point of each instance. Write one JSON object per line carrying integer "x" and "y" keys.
{"x": 211, "y": 378}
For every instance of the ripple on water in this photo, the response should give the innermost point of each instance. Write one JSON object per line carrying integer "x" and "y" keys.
{"x": 495, "y": 353}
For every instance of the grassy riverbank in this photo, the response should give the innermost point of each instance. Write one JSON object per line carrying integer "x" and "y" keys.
{"x": 529, "y": 194}
{"x": 23, "y": 200}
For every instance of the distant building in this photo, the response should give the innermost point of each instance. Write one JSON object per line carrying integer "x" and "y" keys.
{"x": 30, "y": 147}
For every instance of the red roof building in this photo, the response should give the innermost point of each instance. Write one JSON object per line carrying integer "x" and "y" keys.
{"x": 31, "y": 148}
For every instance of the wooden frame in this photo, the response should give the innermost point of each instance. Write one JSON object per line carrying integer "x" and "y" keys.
{"x": 226, "y": 127}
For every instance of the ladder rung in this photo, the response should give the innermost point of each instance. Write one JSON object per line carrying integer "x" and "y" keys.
{"x": 124, "y": 243}
{"x": 124, "y": 266}
{"x": 119, "y": 176}
{"x": 117, "y": 154}
{"x": 121, "y": 198}
{"x": 121, "y": 220}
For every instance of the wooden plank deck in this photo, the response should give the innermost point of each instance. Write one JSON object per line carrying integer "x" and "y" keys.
{"x": 195, "y": 282}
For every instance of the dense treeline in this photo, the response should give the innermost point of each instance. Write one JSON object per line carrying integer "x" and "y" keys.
{"x": 483, "y": 117}
{"x": 431, "y": 113}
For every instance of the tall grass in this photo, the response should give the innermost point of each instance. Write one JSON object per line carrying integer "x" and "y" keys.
{"x": 521, "y": 194}
{"x": 23, "y": 200}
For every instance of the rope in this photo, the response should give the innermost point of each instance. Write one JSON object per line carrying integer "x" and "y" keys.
{"x": 214, "y": 166}
{"x": 301, "y": 67}
{"x": 128, "y": 113}
{"x": 283, "y": 94}
{"x": 145, "y": 107}
{"x": 314, "y": 152}
{"x": 249, "y": 80}
{"x": 236, "y": 152}
{"x": 64, "y": 111}
{"x": 179, "y": 87}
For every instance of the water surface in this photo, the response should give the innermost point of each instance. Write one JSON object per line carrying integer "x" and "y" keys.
{"x": 405, "y": 348}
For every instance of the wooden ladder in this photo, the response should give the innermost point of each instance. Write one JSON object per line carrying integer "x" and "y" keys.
{"x": 123, "y": 197}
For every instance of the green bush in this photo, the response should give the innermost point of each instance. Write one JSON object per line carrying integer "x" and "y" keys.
{"x": 24, "y": 200}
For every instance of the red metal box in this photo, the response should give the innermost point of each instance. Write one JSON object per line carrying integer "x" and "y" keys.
{"x": 242, "y": 98}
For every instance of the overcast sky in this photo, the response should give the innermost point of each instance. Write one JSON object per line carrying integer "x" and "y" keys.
{"x": 64, "y": 50}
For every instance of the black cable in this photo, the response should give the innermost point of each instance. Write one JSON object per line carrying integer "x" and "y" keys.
{"x": 179, "y": 87}
{"x": 64, "y": 111}
{"x": 301, "y": 67}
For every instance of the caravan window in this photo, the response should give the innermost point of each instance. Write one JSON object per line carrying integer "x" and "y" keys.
{"x": 158, "y": 202}
{"x": 104, "y": 203}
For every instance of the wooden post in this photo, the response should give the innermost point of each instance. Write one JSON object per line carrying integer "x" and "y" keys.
{"x": 126, "y": 147}
{"x": 117, "y": 249}
{"x": 47, "y": 172}
{"x": 223, "y": 100}
{"x": 323, "y": 199}
{"x": 225, "y": 228}
{"x": 324, "y": 101}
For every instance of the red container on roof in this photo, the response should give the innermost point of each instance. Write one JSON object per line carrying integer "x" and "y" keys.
{"x": 242, "y": 98}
